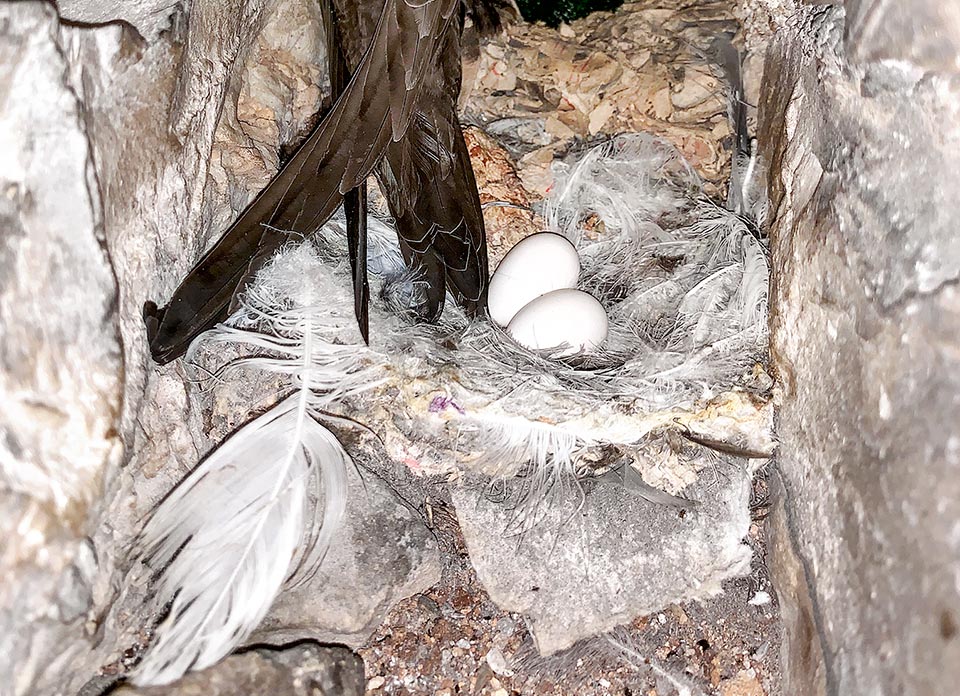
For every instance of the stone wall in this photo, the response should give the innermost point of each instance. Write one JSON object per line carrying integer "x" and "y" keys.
{"x": 148, "y": 132}
{"x": 128, "y": 135}
{"x": 860, "y": 123}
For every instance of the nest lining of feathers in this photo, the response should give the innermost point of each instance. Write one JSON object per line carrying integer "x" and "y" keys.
{"x": 684, "y": 283}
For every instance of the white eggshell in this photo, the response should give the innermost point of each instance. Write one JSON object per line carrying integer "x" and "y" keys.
{"x": 539, "y": 263}
{"x": 570, "y": 317}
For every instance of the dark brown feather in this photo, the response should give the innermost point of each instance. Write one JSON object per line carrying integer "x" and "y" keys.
{"x": 343, "y": 150}
{"x": 355, "y": 201}
{"x": 438, "y": 216}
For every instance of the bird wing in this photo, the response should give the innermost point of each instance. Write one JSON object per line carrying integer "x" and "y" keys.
{"x": 355, "y": 200}
{"x": 375, "y": 108}
{"x": 430, "y": 186}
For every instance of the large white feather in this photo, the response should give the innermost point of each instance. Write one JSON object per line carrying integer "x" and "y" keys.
{"x": 225, "y": 540}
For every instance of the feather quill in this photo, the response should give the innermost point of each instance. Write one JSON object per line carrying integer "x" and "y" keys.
{"x": 681, "y": 682}
{"x": 225, "y": 540}
{"x": 746, "y": 195}
{"x": 228, "y": 538}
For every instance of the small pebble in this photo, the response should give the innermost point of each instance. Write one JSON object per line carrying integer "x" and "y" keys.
{"x": 759, "y": 599}
{"x": 498, "y": 663}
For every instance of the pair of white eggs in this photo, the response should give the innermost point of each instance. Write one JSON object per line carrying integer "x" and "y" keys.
{"x": 533, "y": 294}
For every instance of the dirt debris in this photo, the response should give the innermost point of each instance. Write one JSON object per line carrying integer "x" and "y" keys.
{"x": 453, "y": 640}
{"x": 645, "y": 67}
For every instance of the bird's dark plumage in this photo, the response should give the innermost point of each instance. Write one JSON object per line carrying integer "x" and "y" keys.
{"x": 395, "y": 69}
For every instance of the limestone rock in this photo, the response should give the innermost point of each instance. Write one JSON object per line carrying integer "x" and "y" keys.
{"x": 126, "y": 149}
{"x": 802, "y": 649}
{"x": 865, "y": 179}
{"x": 382, "y": 554}
{"x": 148, "y": 17}
{"x": 586, "y": 569}
{"x": 59, "y": 348}
{"x": 304, "y": 669}
{"x": 924, "y": 33}
{"x": 60, "y": 358}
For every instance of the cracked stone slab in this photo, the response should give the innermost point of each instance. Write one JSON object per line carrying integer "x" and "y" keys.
{"x": 584, "y": 570}
{"x": 383, "y": 553}
{"x": 303, "y": 669}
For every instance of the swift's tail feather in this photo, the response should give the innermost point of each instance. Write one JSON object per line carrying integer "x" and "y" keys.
{"x": 441, "y": 225}
{"x": 354, "y": 201}
{"x": 355, "y": 210}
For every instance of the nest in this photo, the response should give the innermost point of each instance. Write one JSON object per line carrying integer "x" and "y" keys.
{"x": 684, "y": 283}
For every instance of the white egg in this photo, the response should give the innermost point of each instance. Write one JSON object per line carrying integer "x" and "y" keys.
{"x": 539, "y": 263}
{"x": 569, "y": 318}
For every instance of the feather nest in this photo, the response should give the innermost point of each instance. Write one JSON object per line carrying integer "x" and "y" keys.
{"x": 684, "y": 283}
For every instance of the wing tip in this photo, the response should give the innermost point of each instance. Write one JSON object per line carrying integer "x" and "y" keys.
{"x": 164, "y": 338}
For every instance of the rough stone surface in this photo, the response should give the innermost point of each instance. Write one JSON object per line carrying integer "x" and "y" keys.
{"x": 382, "y": 554}
{"x": 586, "y": 569}
{"x": 60, "y": 358}
{"x": 801, "y": 643}
{"x": 304, "y": 669}
{"x": 126, "y": 147}
{"x": 861, "y": 126}
{"x": 453, "y": 639}
{"x": 59, "y": 346}
{"x": 924, "y": 33}
{"x": 148, "y": 17}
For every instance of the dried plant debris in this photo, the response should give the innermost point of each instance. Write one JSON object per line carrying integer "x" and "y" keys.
{"x": 508, "y": 212}
{"x": 640, "y": 69}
